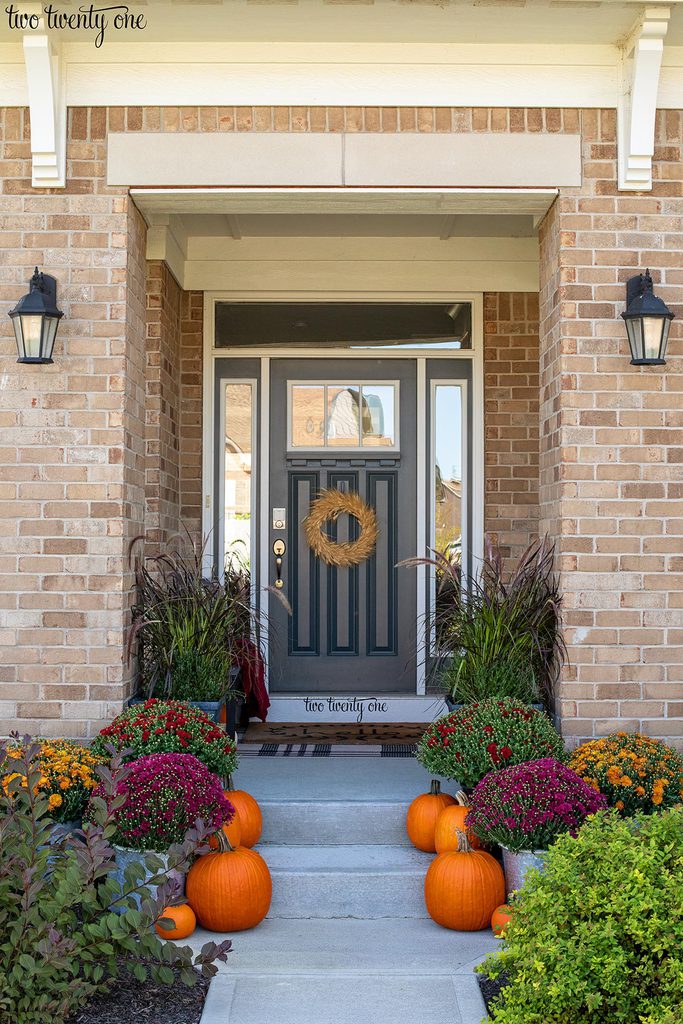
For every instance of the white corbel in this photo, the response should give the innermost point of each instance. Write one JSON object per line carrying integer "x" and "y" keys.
{"x": 640, "y": 66}
{"x": 47, "y": 102}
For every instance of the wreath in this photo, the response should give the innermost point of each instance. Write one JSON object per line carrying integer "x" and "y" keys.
{"x": 329, "y": 505}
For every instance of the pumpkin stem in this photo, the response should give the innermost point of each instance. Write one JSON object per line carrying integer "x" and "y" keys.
{"x": 461, "y": 797}
{"x": 435, "y": 787}
{"x": 224, "y": 844}
{"x": 230, "y": 785}
{"x": 463, "y": 842}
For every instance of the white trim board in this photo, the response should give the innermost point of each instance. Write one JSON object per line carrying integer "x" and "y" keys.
{"x": 348, "y": 707}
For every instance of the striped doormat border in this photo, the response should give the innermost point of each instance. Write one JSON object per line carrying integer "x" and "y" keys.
{"x": 326, "y": 750}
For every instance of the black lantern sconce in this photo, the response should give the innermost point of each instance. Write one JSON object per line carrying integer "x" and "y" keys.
{"x": 648, "y": 320}
{"x": 35, "y": 319}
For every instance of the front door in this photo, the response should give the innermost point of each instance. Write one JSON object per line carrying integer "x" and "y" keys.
{"x": 348, "y": 424}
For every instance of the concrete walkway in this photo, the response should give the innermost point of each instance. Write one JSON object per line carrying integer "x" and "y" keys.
{"x": 348, "y": 940}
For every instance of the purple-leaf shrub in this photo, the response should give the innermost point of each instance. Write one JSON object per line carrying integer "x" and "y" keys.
{"x": 165, "y": 795}
{"x": 528, "y": 806}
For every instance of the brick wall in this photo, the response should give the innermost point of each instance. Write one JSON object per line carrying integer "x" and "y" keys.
{"x": 191, "y": 369}
{"x": 162, "y": 405}
{"x": 612, "y": 441}
{"x": 71, "y": 442}
{"x": 511, "y": 419}
{"x": 173, "y": 409}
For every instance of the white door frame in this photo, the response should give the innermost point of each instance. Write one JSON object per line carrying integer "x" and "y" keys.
{"x": 406, "y": 708}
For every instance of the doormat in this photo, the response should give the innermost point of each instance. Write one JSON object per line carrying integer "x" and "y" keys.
{"x": 326, "y": 750}
{"x": 314, "y": 739}
{"x": 334, "y": 732}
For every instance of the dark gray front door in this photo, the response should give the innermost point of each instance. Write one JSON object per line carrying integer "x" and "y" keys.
{"x": 348, "y": 424}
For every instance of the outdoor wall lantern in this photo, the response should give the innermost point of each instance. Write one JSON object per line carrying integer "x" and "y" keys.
{"x": 35, "y": 319}
{"x": 648, "y": 320}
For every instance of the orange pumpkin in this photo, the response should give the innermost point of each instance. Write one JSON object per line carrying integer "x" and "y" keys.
{"x": 447, "y": 824}
{"x": 464, "y": 887}
{"x": 500, "y": 917}
{"x": 249, "y": 814}
{"x": 423, "y": 814}
{"x": 230, "y": 890}
{"x": 233, "y": 831}
{"x": 184, "y": 920}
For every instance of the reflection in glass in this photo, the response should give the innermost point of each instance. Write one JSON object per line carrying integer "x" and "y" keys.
{"x": 307, "y": 414}
{"x": 239, "y": 445}
{"x": 378, "y": 421}
{"x": 447, "y": 496}
{"x": 448, "y": 471}
{"x": 343, "y": 415}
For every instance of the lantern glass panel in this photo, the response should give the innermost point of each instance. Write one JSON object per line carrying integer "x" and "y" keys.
{"x": 652, "y": 335}
{"x": 32, "y": 330}
{"x": 635, "y": 337}
{"x": 50, "y": 333}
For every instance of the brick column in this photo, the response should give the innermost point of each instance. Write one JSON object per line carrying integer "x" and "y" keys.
{"x": 72, "y": 437}
{"x": 612, "y": 441}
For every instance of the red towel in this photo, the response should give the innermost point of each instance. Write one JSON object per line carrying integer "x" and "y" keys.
{"x": 253, "y": 684}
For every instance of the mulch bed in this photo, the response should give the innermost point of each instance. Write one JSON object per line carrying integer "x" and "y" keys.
{"x": 490, "y": 988}
{"x": 322, "y": 732}
{"x": 135, "y": 1002}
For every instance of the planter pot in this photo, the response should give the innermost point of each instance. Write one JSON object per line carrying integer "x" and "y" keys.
{"x": 452, "y": 706}
{"x": 124, "y": 857}
{"x": 517, "y": 864}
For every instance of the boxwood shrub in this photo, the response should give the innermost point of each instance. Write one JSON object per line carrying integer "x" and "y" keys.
{"x": 597, "y": 938}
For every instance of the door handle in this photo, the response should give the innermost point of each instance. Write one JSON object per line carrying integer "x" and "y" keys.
{"x": 279, "y": 548}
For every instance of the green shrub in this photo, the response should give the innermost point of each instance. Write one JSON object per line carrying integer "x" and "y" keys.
{"x": 480, "y": 738}
{"x": 197, "y": 676}
{"x": 508, "y": 677}
{"x": 67, "y": 930}
{"x": 597, "y": 938}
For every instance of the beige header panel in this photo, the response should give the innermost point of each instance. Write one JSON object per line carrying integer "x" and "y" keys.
{"x": 183, "y": 158}
{"x": 461, "y": 161}
{"x": 274, "y": 159}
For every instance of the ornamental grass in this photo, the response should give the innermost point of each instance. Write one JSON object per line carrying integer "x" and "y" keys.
{"x": 634, "y": 772}
{"x": 67, "y": 775}
{"x": 528, "y": 806}
{"x": 165, "y": 796}
{"x": 166, "y": 727}
{"x": 479, "y": 738}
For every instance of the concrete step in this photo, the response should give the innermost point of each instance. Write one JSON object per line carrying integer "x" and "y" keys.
{"x": 342, "y": 881}
{"x": 334, "y": 823}
{"x": 344, "y": 972}
{"x": 344, "y": 999}
{"x": 382, "y": 946}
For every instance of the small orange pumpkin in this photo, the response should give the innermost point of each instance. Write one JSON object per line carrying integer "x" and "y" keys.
{"x": 249, "y": 814}
{"x": 184, "y": 920}
{"x": 447, "y": 824}
{"x": 500, "y": 917}
{"x": 423, "y": 814}
{"x": 464, "y": 887}
{"x": 230, "y": 890}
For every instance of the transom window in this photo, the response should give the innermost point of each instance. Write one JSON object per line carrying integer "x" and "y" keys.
{"x": 354, "y": 416}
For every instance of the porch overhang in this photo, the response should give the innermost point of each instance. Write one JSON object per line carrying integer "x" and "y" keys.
{"x": 469, "y": 239}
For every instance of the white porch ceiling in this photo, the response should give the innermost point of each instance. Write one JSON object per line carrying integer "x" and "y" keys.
{"x": 332, "y": 243}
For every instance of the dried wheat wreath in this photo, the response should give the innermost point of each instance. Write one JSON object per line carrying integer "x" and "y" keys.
{"x": 329, "y": 505}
